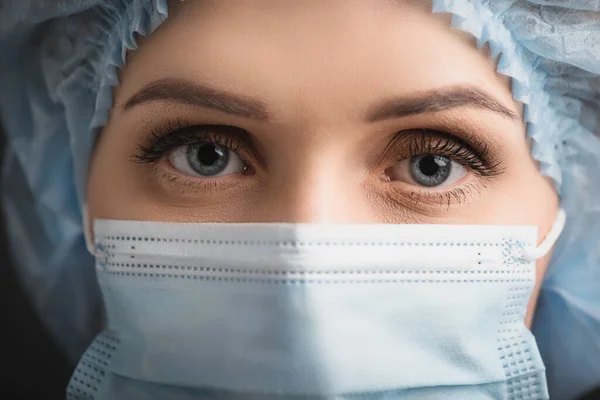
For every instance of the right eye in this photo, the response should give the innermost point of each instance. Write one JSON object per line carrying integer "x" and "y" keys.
{"x": 205, "y": 159}
{"x": 428, "y": 170}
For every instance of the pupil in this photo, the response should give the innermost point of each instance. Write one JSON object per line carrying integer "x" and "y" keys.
{"x": 209, "y": 154}
{"x": 430, "y": 169}
{"x": 207, "y": 159}
{"x": 429, "y": 165}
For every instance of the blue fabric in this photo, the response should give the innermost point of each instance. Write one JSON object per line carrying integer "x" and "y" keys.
{"x": 55, "y": 93}
{"x": 553, "y": 56}
{"x": 305, "y": 311}
{"x": 58, "y": 62}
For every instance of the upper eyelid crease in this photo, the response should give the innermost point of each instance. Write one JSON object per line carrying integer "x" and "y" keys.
{"x": 167, "y": 136}
{"x": 439, "y": 100}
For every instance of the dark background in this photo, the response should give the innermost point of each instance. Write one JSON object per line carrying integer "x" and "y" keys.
{"x": 31, "y": 364}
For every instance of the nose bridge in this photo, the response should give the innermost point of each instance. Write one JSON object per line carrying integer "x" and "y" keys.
{"x": 318, "y": 187}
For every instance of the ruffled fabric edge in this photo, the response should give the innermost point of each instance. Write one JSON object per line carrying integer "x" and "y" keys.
{"x": 54, "y": 90}
{"x": 566, "y": 150}
{"x": 548, "y": 147}
{"x": 116, "y": 26}
{"x": 567, "y": 323}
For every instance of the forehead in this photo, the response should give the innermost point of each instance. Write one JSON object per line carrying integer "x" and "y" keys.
{"x": 321, "y": 51}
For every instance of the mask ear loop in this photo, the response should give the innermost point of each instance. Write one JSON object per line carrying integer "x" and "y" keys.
{"x": 87, "y": 232}
{"x": 551, "y": 238}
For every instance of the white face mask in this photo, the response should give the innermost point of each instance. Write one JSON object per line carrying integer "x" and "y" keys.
{"x": 271, "y": 310}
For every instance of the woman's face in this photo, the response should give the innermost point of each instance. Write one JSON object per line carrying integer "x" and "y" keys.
{"x": 312, "y": 111}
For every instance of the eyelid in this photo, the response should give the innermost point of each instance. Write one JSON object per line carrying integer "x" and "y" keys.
{"x": 414, "y": 142}
{"x": 418, "y": 199}
{"x": 188, "y": 184}
{"x": 448, "y": 197}
{"x": 168, "y": 136}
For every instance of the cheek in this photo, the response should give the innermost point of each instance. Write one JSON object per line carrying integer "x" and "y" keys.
{"x": 99, "y": 185}
{"x": 113, "y": 187}
{"x": 520, "y": 195}
{"x": 534, "y": 202}
{"x": 541, "y": 267}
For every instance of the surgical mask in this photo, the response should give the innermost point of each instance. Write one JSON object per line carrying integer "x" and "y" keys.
{"x": 314, "y": 311}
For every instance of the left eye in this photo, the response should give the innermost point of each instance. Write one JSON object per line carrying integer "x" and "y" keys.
{"x": 206, "y": 159}
{"x": 427, "y": 170}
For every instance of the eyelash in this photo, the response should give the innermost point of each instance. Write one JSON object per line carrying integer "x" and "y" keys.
{"x": 476, "y": 156}
{"x": 469, "y": 152}
{"x": 173, "y": 134}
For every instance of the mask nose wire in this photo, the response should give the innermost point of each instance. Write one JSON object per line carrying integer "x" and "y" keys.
{"x": 549, "y": 241}
{"x": 527, "y": 254}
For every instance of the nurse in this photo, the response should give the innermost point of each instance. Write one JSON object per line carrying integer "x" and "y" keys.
{"x": 313, "y": 198}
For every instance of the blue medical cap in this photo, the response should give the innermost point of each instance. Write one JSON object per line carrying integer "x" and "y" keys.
{"x": 58, "y": 64}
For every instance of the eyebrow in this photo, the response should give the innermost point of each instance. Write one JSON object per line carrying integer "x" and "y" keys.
{"x": 199, "y": 95}
{"x": 439, "y": 100}
{"x": 195, "y": 94}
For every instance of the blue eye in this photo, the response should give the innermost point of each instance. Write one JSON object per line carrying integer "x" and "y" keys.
{"x": 206, "y": 159}
{"x": 428, "y": 170}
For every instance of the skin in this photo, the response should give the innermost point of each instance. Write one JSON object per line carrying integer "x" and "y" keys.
{"x": 320, "y": 68}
